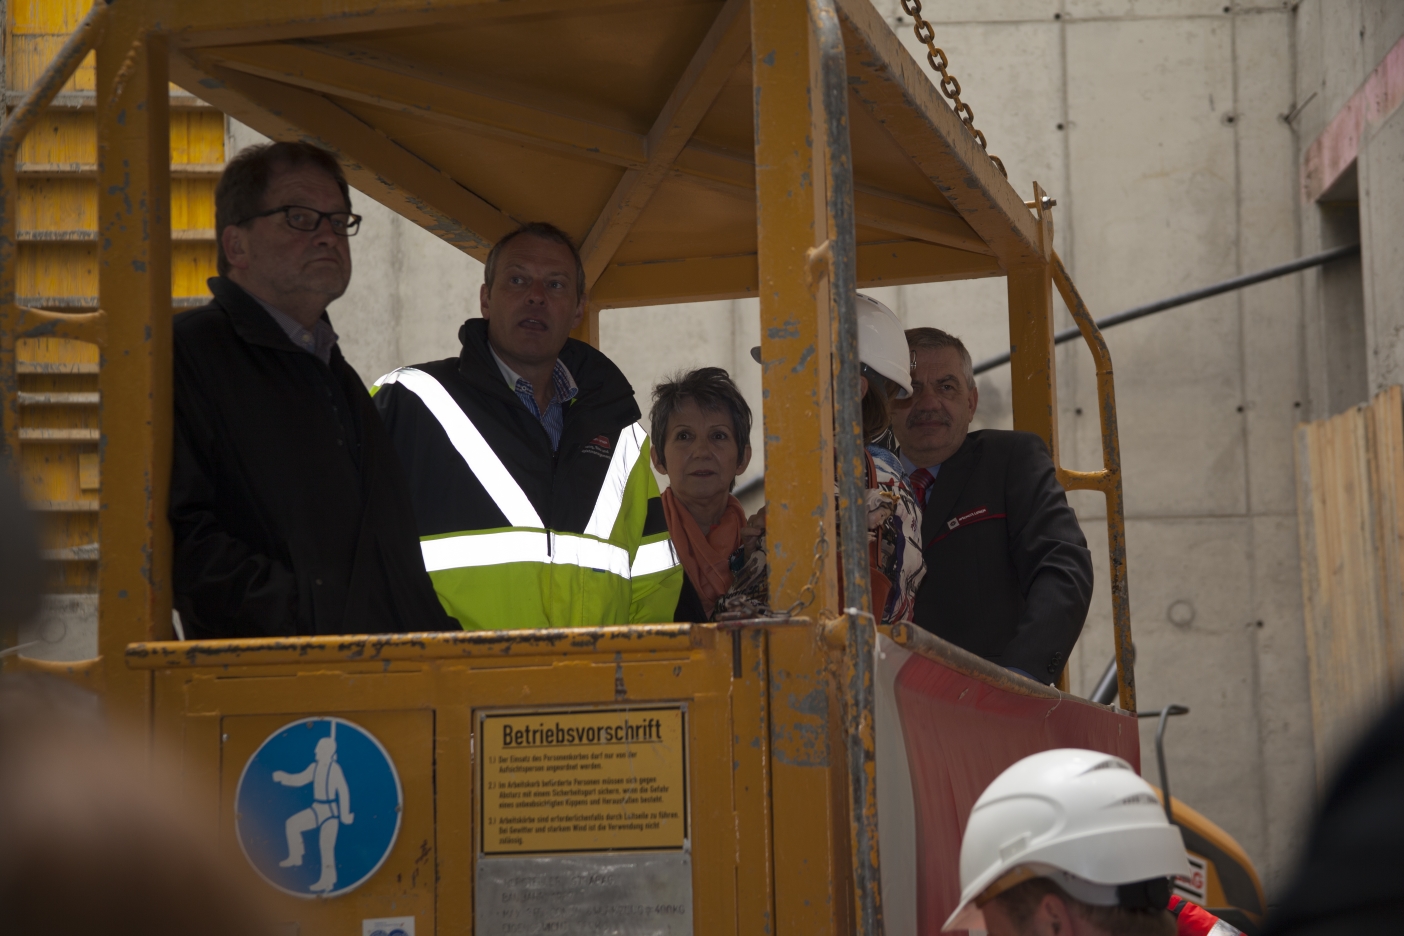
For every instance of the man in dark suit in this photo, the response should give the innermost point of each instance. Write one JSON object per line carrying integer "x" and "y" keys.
{"x": 1008, "y": 572}
{"x": 290, "y": 510}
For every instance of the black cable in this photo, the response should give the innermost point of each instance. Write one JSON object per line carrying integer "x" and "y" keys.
{"x": 1238, "y": 282}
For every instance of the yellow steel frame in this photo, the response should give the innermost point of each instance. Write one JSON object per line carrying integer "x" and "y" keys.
{"x": 813, "y": 845}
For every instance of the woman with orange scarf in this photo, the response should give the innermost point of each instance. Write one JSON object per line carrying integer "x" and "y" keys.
{"x": 701, "y": 430}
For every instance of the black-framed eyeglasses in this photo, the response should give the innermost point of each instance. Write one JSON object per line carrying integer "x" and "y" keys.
{"x": 300, "y": 218}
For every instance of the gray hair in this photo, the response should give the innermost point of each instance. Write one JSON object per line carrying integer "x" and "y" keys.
{"x": 711, "y": 388}
{"x": 933, "y": 339}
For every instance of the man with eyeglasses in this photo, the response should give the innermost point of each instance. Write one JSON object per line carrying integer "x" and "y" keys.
{"x": 1008, "y": 572}
{"x": 289, "y": 507}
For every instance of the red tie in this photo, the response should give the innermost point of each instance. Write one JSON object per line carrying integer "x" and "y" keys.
{"x": 921, "y": 481}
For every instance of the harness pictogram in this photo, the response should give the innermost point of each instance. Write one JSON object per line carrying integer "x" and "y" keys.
{"x": 299, "y": 787}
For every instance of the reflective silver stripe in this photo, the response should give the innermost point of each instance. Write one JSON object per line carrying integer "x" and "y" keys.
{"x": 654, "y": 557}
{"x": 590, "y": 553}
{"x": 484, "y": 549}
{"x": 1220, "y": 928}
{"x": 611, "y": 496}
{"x": 489, "y": 549}
{"x": 482, "y": 460}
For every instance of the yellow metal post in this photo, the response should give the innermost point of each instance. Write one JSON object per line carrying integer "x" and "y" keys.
{"x": 810, "y": 880}
{"x": 134, "y": 288}
{"x": 1034, "y": 382}
{"x": 1108, "y": 481}
{"x": 588, "y": 330}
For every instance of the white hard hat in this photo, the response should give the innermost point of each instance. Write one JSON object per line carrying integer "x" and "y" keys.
{"x": 882, "y": 343}
{"x": 1081, "y": 818}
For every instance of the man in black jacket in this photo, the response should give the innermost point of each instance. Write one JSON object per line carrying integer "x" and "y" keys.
{"x": 1008, "y": 572}
{"x": 289, "y": 507}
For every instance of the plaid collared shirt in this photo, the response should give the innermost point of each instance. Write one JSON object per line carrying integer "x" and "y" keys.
{"x": 564, "y": 390}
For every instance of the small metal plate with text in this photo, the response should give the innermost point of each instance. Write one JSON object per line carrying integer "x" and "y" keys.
{"x": 638, "y": 894}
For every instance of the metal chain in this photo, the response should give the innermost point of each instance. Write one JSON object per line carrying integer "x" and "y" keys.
{"x": 821, "y": 549}
{"x": 948, "y": 84}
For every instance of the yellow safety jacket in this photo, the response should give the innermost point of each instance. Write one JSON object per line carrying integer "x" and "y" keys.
{"x": 513, "y": 534}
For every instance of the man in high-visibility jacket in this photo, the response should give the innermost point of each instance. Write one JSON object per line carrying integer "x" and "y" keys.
{"x": 528, "y": 469}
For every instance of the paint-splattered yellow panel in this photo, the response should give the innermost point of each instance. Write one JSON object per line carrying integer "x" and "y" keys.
{"x": 58, "y": 438}
{"x": 57, "y": 269}
{"x": 63, "y": 138}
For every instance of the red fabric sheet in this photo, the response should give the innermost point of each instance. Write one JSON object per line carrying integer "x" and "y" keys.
{"x": 960, "y": 734}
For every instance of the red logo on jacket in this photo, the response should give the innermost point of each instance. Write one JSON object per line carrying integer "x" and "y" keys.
{"x": 599, "y": 445}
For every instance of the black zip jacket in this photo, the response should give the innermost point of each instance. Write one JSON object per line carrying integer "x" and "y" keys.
{"x": 290, "y": 510}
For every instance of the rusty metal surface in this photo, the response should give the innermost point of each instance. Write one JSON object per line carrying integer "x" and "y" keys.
{"x": 861, "y": 729}
{"x": 927, "y": 644}
{"x": 839, "y": 251}
{"x": 1108, "y": 481}
{"x": 839, "y": 255}
{"x": 269, "y": 651}
{"x": 134, "y": 288}
{"x": 211, "y": 717}
{"x": 809, "y": 847}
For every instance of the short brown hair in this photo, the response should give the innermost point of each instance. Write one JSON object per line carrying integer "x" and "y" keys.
{"x": 711, "y": 388}
{"x": 545, "y": 231}
{"x": 933, "y": 339}
{"x": 1022, "y": 900}
{"x": 245, "y": 180}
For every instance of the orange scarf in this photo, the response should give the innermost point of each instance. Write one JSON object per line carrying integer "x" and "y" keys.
{"x": 706, "y": 557}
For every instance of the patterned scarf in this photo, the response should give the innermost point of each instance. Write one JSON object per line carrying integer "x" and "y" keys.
{"x": 705, "y": 556}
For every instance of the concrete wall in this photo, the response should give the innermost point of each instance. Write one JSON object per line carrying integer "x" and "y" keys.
{"x": 1170, "y": 133}
{"x": 1353, "y": 307}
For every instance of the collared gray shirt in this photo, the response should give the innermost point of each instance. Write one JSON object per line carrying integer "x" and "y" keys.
{"x": 318, "y": 340}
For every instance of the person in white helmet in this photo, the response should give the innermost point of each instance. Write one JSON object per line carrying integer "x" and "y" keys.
{"x": 894, "y": 519}
{"x": 1074, "y": 843}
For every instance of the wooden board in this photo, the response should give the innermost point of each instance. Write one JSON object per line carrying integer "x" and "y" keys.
{"x": 1350, "y": 492}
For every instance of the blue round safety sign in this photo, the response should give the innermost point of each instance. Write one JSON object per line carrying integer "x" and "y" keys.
{"x": 318, "y": 807}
